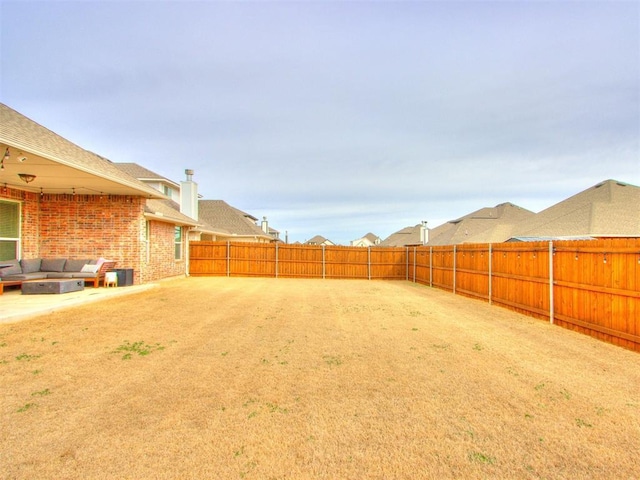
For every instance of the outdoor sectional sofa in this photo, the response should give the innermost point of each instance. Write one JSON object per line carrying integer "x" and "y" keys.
{"x": 92, "y": 271}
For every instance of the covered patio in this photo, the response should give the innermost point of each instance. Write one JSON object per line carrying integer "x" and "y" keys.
{"x": 59, "y": 200}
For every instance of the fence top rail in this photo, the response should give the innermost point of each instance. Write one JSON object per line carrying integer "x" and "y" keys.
{"x": 601, "y": 249}
{"x": 622, "y": 245}
{"x": 525, "y": 248}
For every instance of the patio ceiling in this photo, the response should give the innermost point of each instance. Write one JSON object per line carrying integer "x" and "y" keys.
{"x": 55, "y": 177}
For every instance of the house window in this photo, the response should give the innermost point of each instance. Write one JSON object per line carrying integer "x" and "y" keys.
{"x": 9, "y": 230}
{"x": 178, "y": 251}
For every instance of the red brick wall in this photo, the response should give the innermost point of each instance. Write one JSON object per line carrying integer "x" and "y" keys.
{"x": 30, "y": 219}
{"x": 162, "y": 262}
{"x": 93, "y": 226}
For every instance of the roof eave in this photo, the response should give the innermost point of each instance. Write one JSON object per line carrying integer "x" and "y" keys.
{"x": 146, "y": 192}
{"x": 162, "y": 218}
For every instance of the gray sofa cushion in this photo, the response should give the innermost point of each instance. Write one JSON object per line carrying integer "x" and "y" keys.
{"x": 75, "y": 265}
{"x": 84, "y": 275}
{"x": 14, "y": 269}
{"x": 30, "y": 265}
{"x": 59, "y": 274}
{"x": 25, "y": 276}
{"x": 52, "y": 264}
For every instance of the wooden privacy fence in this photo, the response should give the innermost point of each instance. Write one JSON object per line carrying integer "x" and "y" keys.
{"x": 591, "y": 286}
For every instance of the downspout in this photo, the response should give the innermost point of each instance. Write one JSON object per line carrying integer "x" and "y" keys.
{"x": 187, "y": 260}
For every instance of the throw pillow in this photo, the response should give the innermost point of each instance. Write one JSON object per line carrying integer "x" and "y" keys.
{"x": 13, "y": 269}
{"x": 90, "y": 269}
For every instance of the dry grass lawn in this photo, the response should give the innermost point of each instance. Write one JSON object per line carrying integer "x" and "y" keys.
{"x": 320, "y": 379}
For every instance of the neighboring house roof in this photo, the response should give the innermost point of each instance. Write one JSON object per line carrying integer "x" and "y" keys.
{"x": 167, "y": 211}
{"x": 404, "y": 237}
{"x": 372, "y": 237}
{"x": 144, "y": 174}
{"x": 480, "y": 226}
{"x": 219, "y": 216}
{"x": 608, "y": 209}
{"x": 367, "y": 240}
{"x": 60, "y": 166}
{"x": 319, "y": 240}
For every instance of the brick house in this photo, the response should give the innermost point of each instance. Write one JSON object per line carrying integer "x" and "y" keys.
{"x": 59, "y": 200}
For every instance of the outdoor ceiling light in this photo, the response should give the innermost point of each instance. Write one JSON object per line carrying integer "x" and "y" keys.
{"x": 27, "y": 177}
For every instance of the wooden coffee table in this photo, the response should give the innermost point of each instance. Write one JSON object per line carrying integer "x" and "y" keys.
{"x": 9, "y": 283}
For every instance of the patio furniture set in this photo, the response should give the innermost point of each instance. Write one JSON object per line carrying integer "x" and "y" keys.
{"x": 57, "y": 275}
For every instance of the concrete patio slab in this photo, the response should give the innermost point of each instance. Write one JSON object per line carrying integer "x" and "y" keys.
{"x": 15, "y": 307}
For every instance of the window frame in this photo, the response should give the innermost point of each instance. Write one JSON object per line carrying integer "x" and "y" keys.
{"x": 17, "y": 240}
{"x": 178, "y": 240}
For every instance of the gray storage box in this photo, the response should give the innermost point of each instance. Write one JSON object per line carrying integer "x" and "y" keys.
{"x": 125, "y": 276}
{"x": 52, "y": 286}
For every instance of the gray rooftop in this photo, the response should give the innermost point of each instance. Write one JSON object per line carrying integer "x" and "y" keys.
{"x": 479, "y": 225}
{"x": 608, "y": 209}
{"x": 221, "y": 216}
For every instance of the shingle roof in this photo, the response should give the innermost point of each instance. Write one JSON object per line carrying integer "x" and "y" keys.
{"x": 401, "y": 238}
{"x": 168, "y": 210}
{"x": 492, "y": 221}
{"x": 319, "y": 240}
{"x": 142, "y": 173}
{"x": 219, "y": 215}
{"x": 22, "y": 133}
{"x": 371, "y": 237}
{"x": 608, "y": 209}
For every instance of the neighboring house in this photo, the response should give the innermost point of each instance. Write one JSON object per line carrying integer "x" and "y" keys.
{"x": 319, "y": 240}
{"x": 167, "y": 187}
{"x": 222, "y": 222}
{"x": 60, "y": 200}
{"x": 368, "y": 240}
{"x": 408, "y": 236}
{"x": 486, "y": 225}
{"x": 272, "y": 232}
{"x": 216, "y": 220}
{"x": 608, "y": 209}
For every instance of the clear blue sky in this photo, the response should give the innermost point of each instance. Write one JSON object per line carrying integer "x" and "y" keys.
{"x": 340, "y": 118}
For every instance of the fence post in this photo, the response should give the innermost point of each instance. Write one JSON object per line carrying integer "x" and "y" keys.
{"x": 490, "y": 272}
{"x": 454, "y": 269}
{"x": 415, "y": 255}
{"x": 431, "y": 266}
{"x": 228, "y": 258}
{"x": 369, "y": 262}
{"x": 276, "y": 260}
{"x": 323, "y": 267}
{"x": 550, "y": 281}
{"x": 406, "y": 262}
